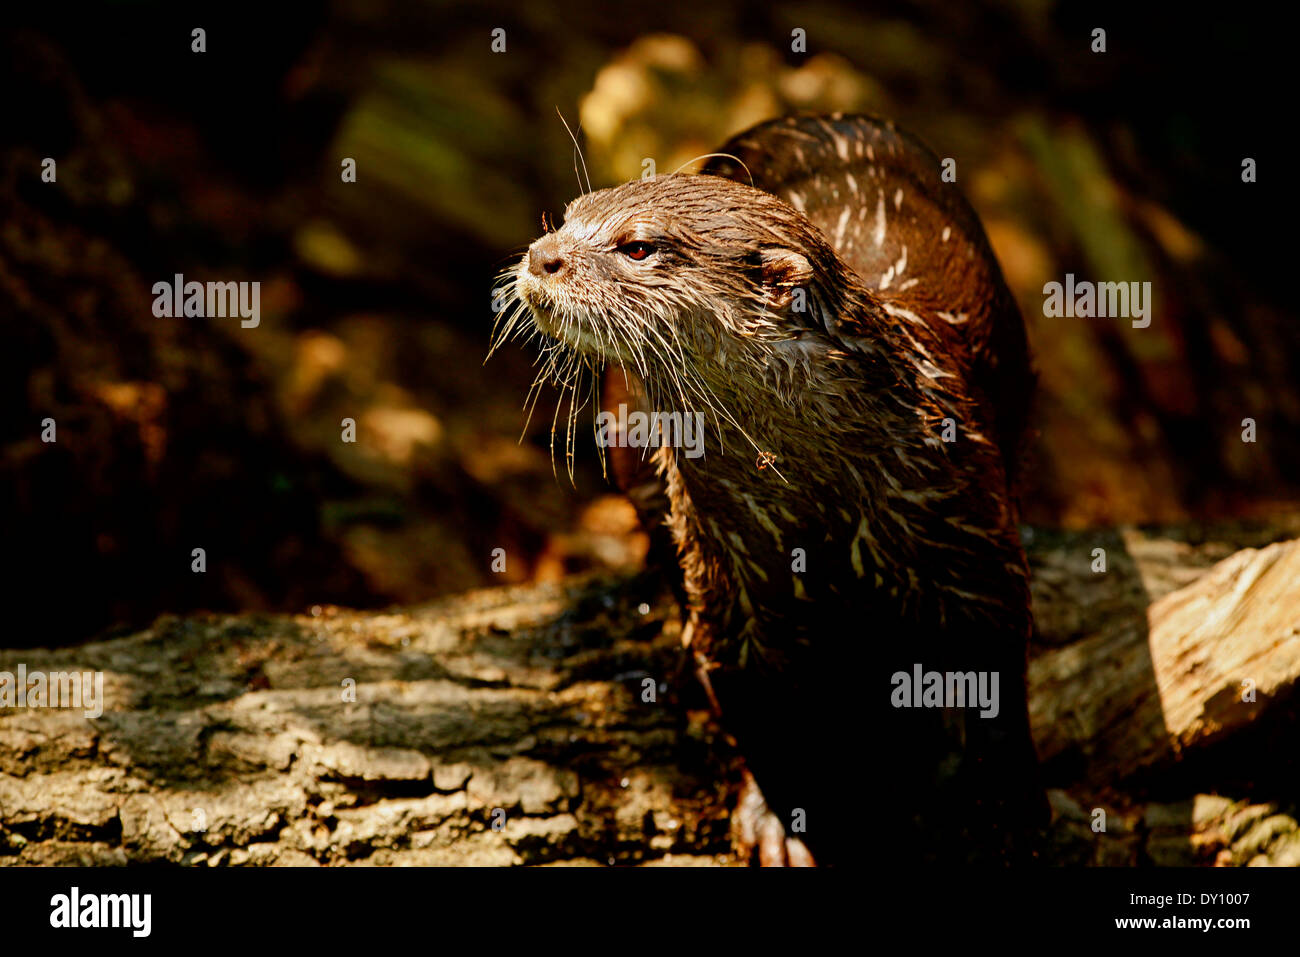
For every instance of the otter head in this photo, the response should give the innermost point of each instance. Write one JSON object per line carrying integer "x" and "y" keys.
{"x": 681, "y": 267}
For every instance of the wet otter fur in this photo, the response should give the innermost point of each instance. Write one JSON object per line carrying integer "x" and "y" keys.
{"x": 844, "y": 329}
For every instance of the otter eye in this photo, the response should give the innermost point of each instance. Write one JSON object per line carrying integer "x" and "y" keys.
{"x": 637, "y": 250}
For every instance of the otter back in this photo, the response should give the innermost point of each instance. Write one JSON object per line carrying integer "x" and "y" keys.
{"x": 878, "y": 195}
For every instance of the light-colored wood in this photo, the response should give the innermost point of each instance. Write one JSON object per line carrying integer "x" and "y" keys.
{"x": 1203, "y": 662}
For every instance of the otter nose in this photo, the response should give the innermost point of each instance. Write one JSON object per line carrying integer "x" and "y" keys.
{"x": 544, "y": 256}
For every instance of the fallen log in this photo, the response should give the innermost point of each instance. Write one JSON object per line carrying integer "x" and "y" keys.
{"x": 517, "y": 725}
{"x": 1200, "y": 664}
{"x": 552, "y": 724}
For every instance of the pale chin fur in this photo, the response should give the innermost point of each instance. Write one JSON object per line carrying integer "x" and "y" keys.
{"x": 577, "y": 340}
{"x": 574, "y": 334}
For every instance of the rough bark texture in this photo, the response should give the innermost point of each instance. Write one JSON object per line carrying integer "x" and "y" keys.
{"x": 229, "y": 740}
{"x": 1202, "y": 663}
{"x": 234, "y": 740}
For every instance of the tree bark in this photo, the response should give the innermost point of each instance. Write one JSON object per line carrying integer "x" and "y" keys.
{"x": 1201, "y": 663}
{"x": 553, "y": 724}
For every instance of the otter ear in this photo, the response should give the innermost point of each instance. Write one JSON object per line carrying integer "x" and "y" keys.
{"x": 786, "y": 275}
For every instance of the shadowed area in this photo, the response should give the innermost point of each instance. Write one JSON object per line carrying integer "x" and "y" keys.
{"x": 358, "y": 480}
{"x": 184, "y": 433}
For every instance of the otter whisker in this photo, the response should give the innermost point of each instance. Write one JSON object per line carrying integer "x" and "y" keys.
{"x": 507, "y": 325}
{"x": 567, "y": 374}
{"x": 695, "y": 384}
{"x": 578, "y": 154}
{"x": 730, "y": 156}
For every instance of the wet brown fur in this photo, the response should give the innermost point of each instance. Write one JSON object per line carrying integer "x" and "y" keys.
{"x": 827, "y": 412}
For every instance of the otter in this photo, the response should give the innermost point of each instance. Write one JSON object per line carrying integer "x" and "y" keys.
{"x": 850, "y": 562}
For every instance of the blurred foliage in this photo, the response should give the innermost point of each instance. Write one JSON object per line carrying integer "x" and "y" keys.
{"x": 176, "y": 434}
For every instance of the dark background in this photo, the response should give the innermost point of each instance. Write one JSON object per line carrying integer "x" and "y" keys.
{"x": 183, "y": 433}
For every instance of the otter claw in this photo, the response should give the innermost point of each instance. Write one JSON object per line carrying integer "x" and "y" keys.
{"x": 759, "y": 833}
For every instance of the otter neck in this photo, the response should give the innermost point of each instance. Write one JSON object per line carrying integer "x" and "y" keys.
{"x": 851, "y": 482}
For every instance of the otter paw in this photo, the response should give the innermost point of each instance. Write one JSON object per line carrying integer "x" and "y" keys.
{"x": 758, "y": 834}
